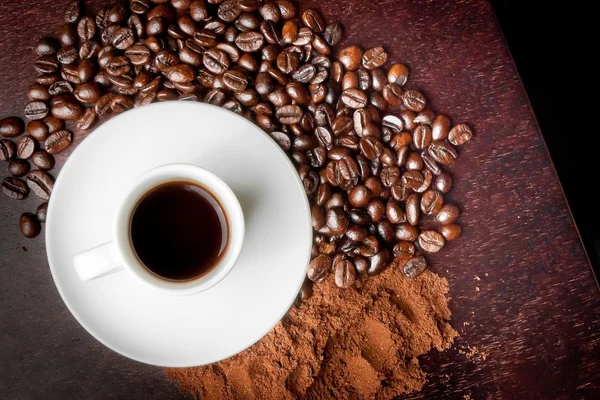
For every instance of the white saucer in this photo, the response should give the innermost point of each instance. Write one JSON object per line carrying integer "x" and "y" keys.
{"x": 180, "y": 331}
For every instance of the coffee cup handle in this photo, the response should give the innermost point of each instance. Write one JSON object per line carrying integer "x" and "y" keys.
{"x": 97, "y": 262}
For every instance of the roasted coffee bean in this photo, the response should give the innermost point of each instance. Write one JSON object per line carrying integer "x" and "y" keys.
{"x": 87, "y": 120}
{"x": 404, "y": 251}
{"x": 41, "y": 212}
{"x": 371, "y": 148}
{"x": 249, "y": 41}
{"x": 440, "y": 127}
{"x": 58, "y": 141}
{"x": 431, "y": 164}
{"x": 379, "y": 81}
{"x": 386, "y": 230}
{"x": 431, "y": 241}
{"x": 29, "y": 225}
{"x": 359, "y": 216}
{"x": 412, "y": 209}
{"x": 390, "y": 176}
{"x": 216, "y": 61}
{"x": 313, "y": 20}
{"x": 422, "y": 137}
{"x": 73, "y": 12}
{"x": 425, "y": 117}
{"x": 297, "y": 93}
{"x": 46, "y": 65}
{"x": 442, "y": 152}
{"x": 394, "y": 212}
{"x": 414, "y": 162}
{"x": 359, "y": 196}
{"x": 398, "y": 74}
{"x": 67, "y": 35}
{"x": 369, "y": 247}
{"x": 392, "y": 94}
{"x": 43, "y": 160}
{"x": 338, "y": 152}
{"x": 414, "y": 100}
{"x": 412, "y": 179}
{"x": 70, "y": 74}
{"x": 443, "y": 182}
{"x": 18, "y": 167}
{"x": 354, "y": 98}
{"x": 181, "y": 73}
{"x": 88, "y": 50}
{"x": 54, "y": 124}
{"x": 306, "y": 291}
{"x": 290, "y": 114}
{"x": 7, "y": 150}
{"x": 431, "y": 202}
{"x": 333, "y": 33}
{"x": 40, "y": 183}
{"x": 25, "y": 146}
{"x": 60, "y": 87}
{"x": 415, "y": 267}
{"x": 154, "y": 27}
{"x": 15, "y": 188}
{"x": 138, "y": 54}
{"x": 349, "y": 80}
{"x": 407, "y": 232}
{"x": 318, "y": 217}
{"x": 38, "y": 92}
{"x": 67, "y": 110}
{"x": 427, "y": 178}
{"x": 344, "y": 271}
{"x": 67, "y": 55}
{"x": 351, "y": 57}
{"x": 104, "y": 103}
{"x": 36, "y": 110}
{"x": 379, "y": 262}
{"x": 119, "y": 66}
{"x": 11, "y": 126}
{"x": 319, "y": 268}
{"x": 282, "y": 139}
{"x": 86, "y": 28}
{"x": 357, "y": 233}
{"x": 121, "y": 103}
{"x": 337, "y": 220}
{"x": 374, "y": 58}
{"x": 47, "y": 46}
{"x": 450, "y": 232}
{"x": 139, "y": 6}
{"x": 288, "y": 62}
{"x": 305, "y": 73}
{"x": 447, "y": 214}
{"x": 376, "y": 209}
{"x": 460, "y": 134}
{"x": 88, "y": 92}
{"x": 399, "y": 191}
{"x": 304, "y": 142}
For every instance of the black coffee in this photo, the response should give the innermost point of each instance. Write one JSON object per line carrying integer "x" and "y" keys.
{"x": 178, "y": 231}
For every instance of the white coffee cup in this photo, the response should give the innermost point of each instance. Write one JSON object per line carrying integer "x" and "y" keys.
{"x": 119, "y": 255}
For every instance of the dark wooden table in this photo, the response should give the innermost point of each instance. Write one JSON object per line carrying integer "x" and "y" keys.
{"x": 523, "y": 292}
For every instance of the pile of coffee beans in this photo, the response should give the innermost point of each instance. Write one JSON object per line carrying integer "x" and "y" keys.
{"x": 370, "y": 152}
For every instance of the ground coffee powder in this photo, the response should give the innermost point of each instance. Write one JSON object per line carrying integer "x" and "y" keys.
{"x": 359, "y": 343}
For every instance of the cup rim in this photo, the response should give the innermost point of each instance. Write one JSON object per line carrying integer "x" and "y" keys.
{"x": 224, "y": 196}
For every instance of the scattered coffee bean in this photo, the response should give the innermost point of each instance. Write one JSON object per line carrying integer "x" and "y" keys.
{"x": 7, "y": 150}
{"x": 398, "y": 74}
{"x": 460, "y": 134}
{"x": 319, "y": 267}
{"x": 415, "y": 267}
{"x": 431, "y": 241}
{"x": 11, "y": 126}
{"x": 451, "y": 231}
{"x": 344, "y": 271}
{"x": 29, "y": 225}
{"x": 41, "y": 212}
{"x": 25, "y": 146}
{"x": 447, "y": 214}
{"x": 40, "y": 183}
{"x": 15, "y": 188}
{"x": 43, "y": 160}
{"x": 18, "y": 167}
{"x": 58, "y": 141}
{"x": 432, "y": 202}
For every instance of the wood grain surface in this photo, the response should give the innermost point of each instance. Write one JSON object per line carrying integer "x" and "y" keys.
{"x": 523, "y": 294}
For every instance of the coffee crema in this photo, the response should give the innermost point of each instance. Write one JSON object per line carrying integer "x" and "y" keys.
{"x": 179, "y": 231}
